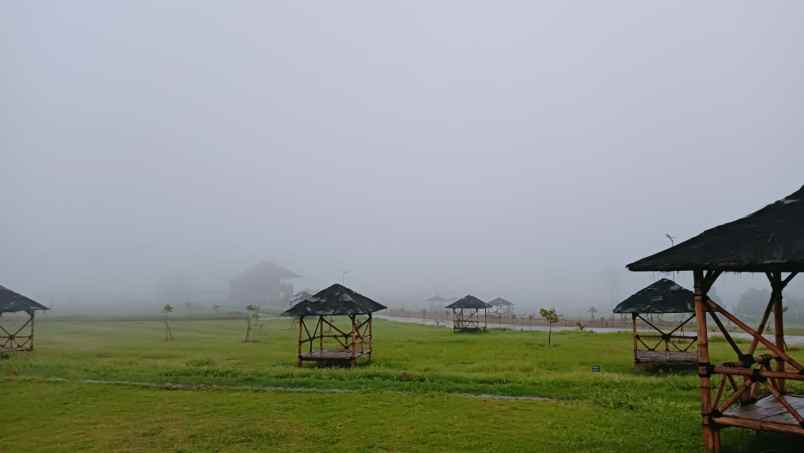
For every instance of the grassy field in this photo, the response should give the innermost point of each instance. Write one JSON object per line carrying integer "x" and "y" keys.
{"x": 117, "y": 386}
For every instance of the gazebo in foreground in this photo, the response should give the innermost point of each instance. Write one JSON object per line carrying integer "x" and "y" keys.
{"x": 19, "y": 338}
{"x": 751, "y": 391}
{"x": 466, "y": 314}
{"x": 330, "y": 342}
{"x": 659, "y": 347}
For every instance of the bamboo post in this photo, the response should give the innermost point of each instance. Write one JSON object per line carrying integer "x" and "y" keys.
{"x": 31, "y": 345}
{"x": 636, "y": 344}
{"x": 371, "y": 337}
{"x": 709, "y": 431}
{"x": 321, "y": 334}
{"x": 778, "y": 323}
{"x": 299, "y": 355}
{"x": 354, "y": 340}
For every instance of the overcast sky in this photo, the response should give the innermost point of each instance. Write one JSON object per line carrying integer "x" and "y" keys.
{"x": 523, "y": 149}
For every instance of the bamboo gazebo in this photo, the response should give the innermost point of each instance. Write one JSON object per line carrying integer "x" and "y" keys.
{"x": 20, "y": 337}
{"x": 658, "y": 347}
{"x": 333, "y": 342}
{"x": 750, "y": 392}
{"x": 466, "y": 315}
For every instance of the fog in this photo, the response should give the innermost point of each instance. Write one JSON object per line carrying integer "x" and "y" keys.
{"x": 528, "y": 150}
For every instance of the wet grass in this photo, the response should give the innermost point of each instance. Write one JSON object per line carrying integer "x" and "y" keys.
{"x": 412, "y": 398}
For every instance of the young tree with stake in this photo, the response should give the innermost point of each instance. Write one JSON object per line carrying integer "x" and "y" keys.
{"x": 167, "y": 310}
{"x": 252, "y": 313}
{"x": 551, "y": 317}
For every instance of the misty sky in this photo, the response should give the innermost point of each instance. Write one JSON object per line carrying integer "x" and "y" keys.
{"x": 523, "y": 149}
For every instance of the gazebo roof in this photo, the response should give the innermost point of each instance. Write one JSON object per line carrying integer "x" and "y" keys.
{"x": 333, "y": 301}
{"x": 663, "y": 296}
{"x": 468, "y": 301}
{"x": 500, "y": 302}
{"x": 771, "y": 239}
{"x": 11, "y": 301}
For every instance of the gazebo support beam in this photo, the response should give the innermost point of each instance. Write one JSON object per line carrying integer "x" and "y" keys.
{"x": 703, "y": 282}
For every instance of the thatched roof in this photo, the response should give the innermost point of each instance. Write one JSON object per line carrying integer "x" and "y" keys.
{"x": 11, "y": 301}
{"x": 500, "y": 302}
{"x": 664, "y": 296}
{"x": 771, "y": 239}
{"x": 333, "y": 301}
{"x": 468, "y": 301}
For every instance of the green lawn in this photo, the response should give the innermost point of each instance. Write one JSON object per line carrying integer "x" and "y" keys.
{"x": 427, "y": 390}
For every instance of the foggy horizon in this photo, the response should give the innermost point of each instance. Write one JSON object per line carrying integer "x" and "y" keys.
{"x": 523, "y": 151}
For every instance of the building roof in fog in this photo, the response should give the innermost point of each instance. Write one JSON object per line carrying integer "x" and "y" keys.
{"x": 663, "y": 296}
{"x": 333, "y": 301}
{"x": 500, "y": 302}
{"x": 468, "y": 301}
{"x": 771, "y": 239}
{"x": 11, "y": 301}
{"x": 437, "y": 299}
{"x": 263, "y": 271}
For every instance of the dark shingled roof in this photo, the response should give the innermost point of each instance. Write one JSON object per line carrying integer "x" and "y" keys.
{"x": 11, "y": 302}
{"x": 468, "y": 301}
{"x": 771, "y": 239}
{"x": 664, "y": 296}
{"x": 335, "y": 300}
{"x": 499, "y": 301}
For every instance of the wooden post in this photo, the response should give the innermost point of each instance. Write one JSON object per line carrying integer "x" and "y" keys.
{"x": 321, "y": 334}
{"x": 299, "y": 355}
{"x": 354, "y": 340}
{"x": 778, "y": 323}
{"x": 31, "y": 345}
{"x": 371, "y": 337}
{"x": 710, "y": 434}
{"x": 636, "y": 344}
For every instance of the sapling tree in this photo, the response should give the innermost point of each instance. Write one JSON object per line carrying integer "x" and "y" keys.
{"x": 549, "y": 315}
{"x": 166, "y": 311}
{"x": 252, "y": 313}
{"x": 592, "y": 312}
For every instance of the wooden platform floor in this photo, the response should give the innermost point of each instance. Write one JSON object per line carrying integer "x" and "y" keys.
{"x": 768, "y": 409}
{"x": 666, "y": 357}
{"x": 327, "y": 355}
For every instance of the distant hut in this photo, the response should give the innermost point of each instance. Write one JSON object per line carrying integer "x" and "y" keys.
{"x": 435, "y": 304}
{"x": 20, "y": 338}
{"x": 751, "y": 391}
{"x": 263, "y": 284}
{"x": 501, "y": 307}
{"x": 330, "y": 341}
{"x": 466, "y": 315}
{"x": 660, "y": 347}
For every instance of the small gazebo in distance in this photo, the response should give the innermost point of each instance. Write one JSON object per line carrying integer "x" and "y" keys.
{"x": 466, "y": 314}
{"x": 333, "y": 341}
{"x": 661, "y": 348}
{"x": 750, "y": 391}
{"x": 19, "y": 338}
